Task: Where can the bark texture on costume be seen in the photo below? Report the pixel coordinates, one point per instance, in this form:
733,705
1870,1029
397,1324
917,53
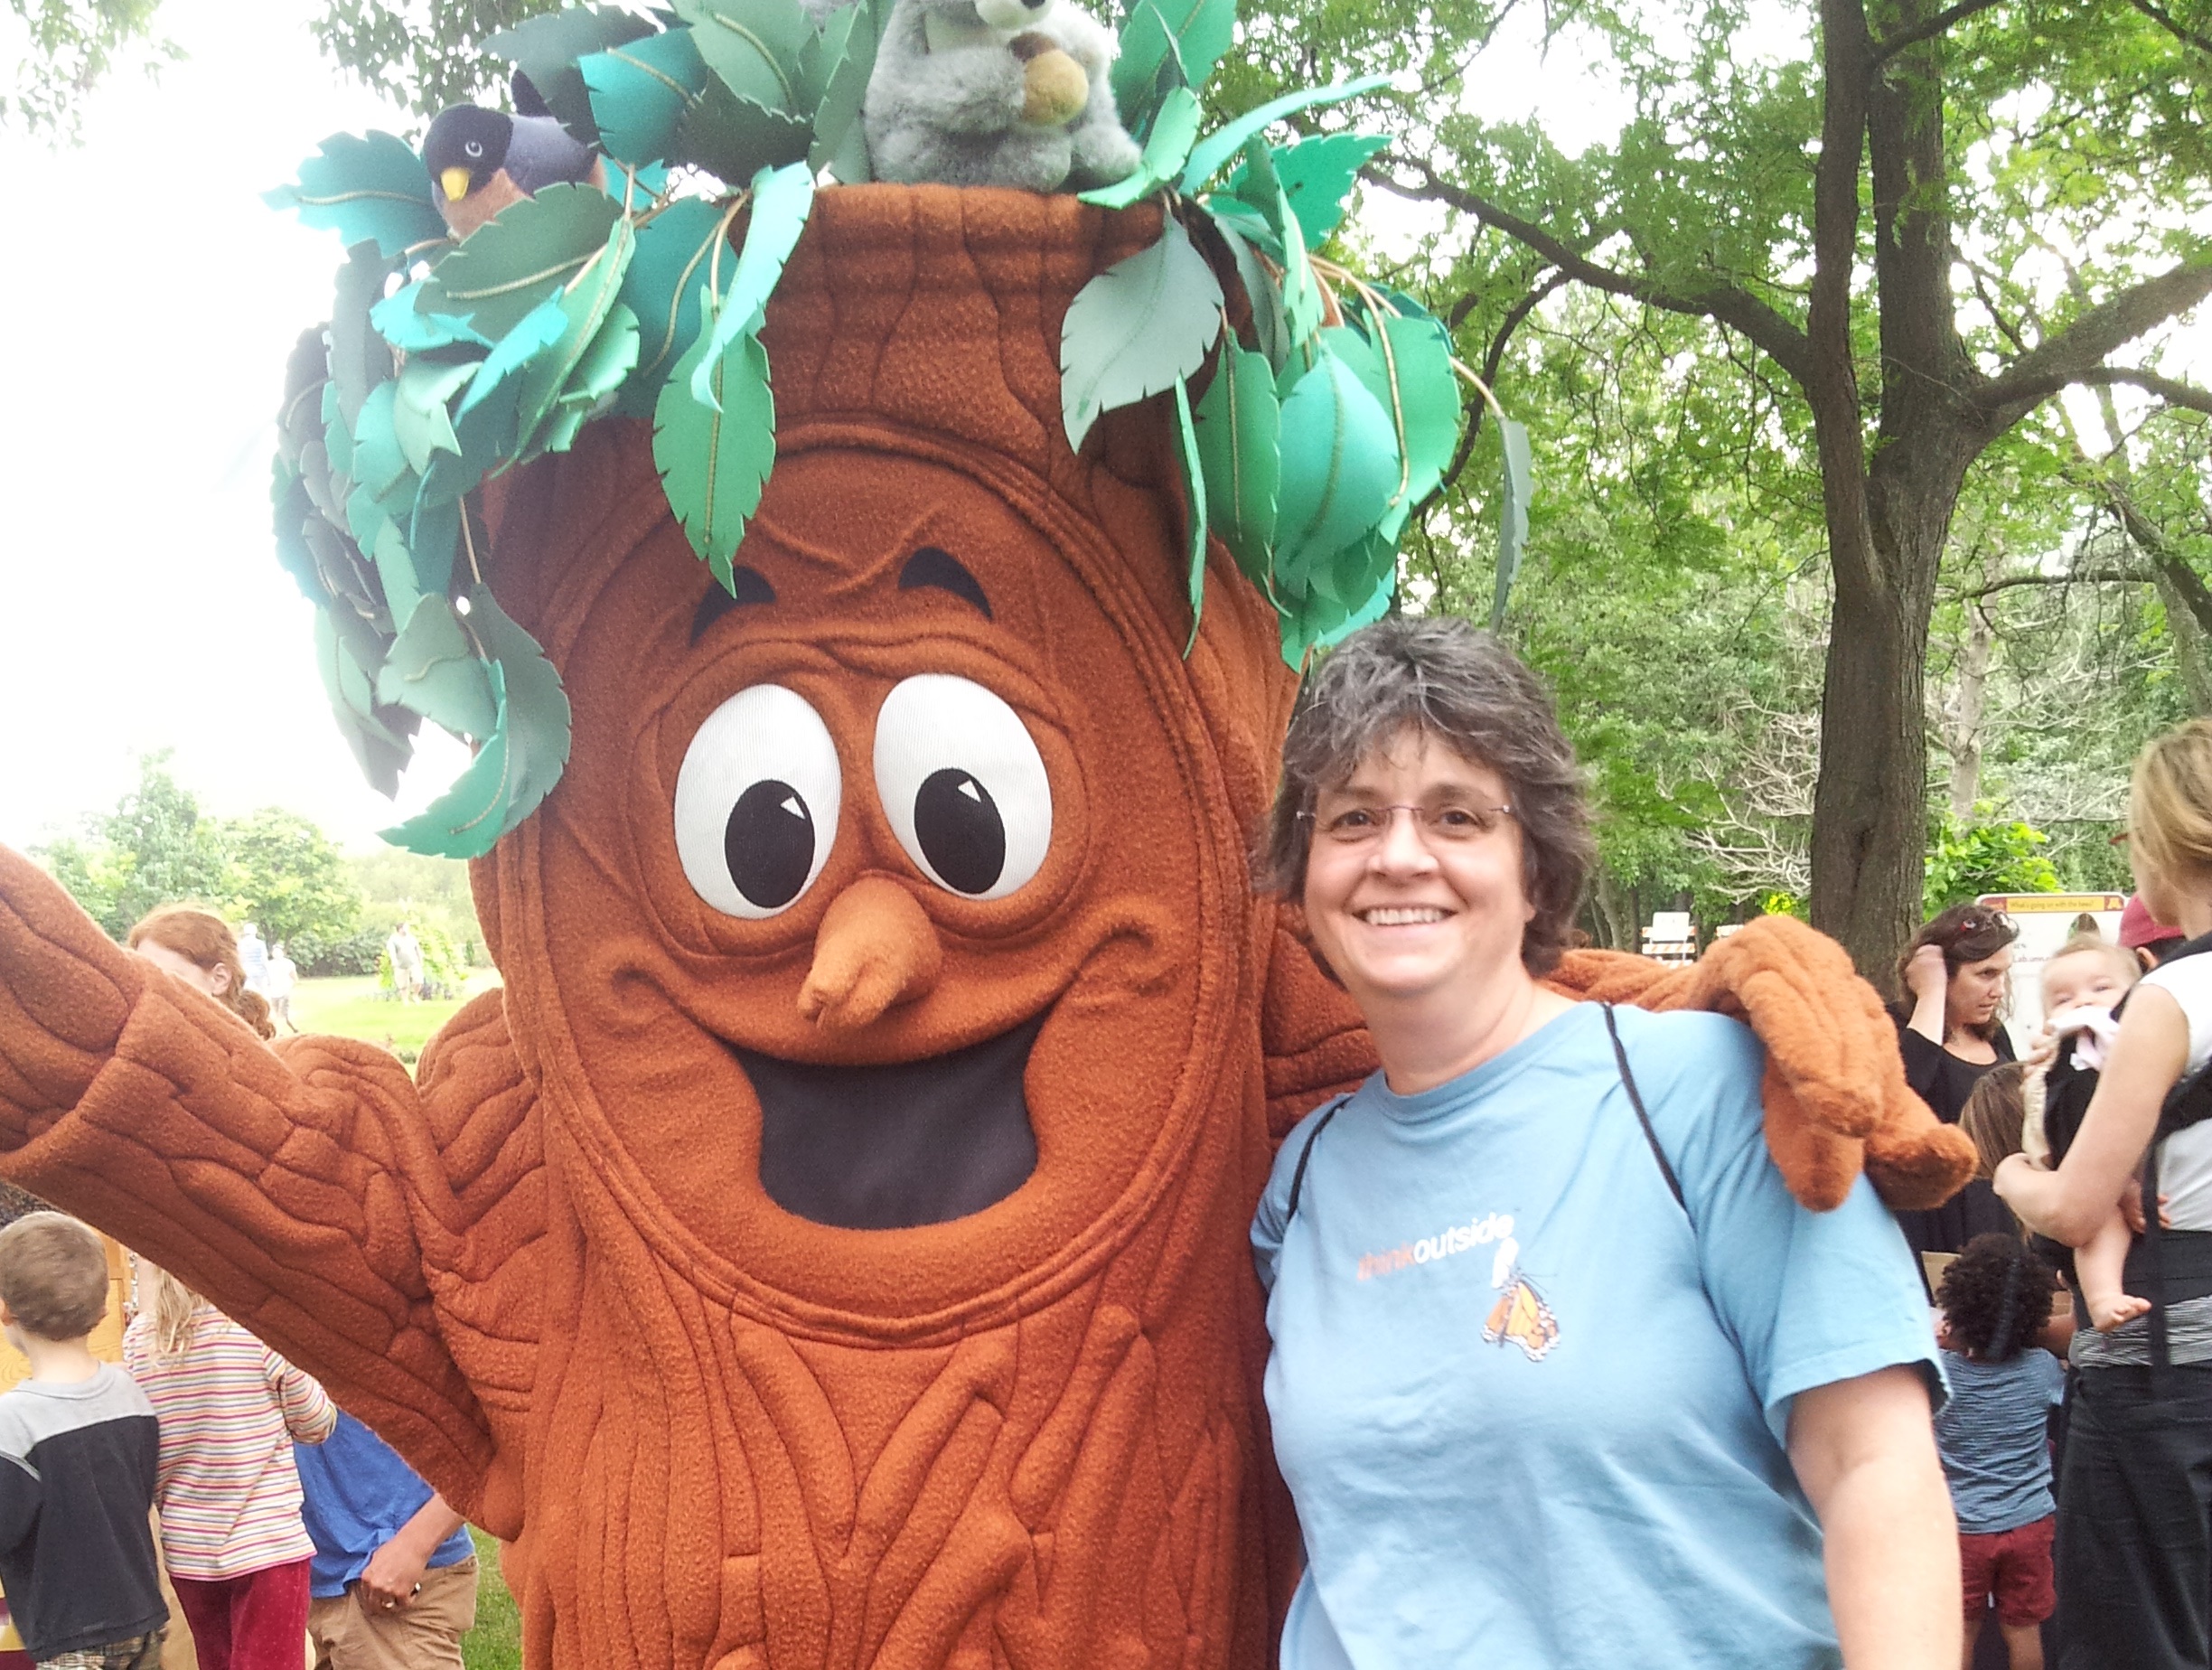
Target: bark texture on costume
712,1431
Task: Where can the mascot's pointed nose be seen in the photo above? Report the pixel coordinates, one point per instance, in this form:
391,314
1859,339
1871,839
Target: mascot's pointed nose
875,950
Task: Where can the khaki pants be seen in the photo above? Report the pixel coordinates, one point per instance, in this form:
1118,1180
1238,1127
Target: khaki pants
347,1634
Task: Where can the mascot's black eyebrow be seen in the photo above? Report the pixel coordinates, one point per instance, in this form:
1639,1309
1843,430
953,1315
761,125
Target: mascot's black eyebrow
942,571
747,586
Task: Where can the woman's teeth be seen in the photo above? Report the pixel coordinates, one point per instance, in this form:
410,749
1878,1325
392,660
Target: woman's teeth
1401,916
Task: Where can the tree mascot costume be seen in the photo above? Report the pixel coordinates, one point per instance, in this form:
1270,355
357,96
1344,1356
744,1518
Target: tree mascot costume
830,1248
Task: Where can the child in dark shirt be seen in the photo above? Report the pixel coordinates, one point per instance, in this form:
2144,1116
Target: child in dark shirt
1996,1297
78,1445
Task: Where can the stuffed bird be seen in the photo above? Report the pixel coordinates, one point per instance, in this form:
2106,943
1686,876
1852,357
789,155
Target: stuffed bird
481,160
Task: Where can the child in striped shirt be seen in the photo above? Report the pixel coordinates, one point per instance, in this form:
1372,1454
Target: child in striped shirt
230,1410
1992,1433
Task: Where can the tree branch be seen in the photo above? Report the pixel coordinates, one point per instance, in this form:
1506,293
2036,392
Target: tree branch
2079,348
2172,25
1516,316
1928,29
1774,334
2169,389
2081,577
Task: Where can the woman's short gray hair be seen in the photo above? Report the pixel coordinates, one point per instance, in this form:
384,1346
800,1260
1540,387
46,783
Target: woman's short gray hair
1441,677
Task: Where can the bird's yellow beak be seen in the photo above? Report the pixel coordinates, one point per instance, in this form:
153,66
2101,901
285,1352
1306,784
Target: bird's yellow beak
457,184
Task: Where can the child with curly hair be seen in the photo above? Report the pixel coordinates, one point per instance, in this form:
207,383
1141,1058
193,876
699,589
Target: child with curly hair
1996,1297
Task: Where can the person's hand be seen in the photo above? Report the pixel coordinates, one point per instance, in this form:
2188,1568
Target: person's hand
393,1576
1927,975
2043,1051
2130,1208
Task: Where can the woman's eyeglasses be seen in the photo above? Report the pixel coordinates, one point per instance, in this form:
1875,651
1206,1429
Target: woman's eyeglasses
1445,824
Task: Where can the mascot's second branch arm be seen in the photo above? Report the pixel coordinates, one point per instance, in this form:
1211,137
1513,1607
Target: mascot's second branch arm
828,1248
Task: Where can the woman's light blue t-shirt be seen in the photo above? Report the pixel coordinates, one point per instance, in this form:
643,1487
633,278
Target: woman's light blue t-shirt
1531,1412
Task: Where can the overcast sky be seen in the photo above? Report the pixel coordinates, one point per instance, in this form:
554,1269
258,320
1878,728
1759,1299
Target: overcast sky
151,300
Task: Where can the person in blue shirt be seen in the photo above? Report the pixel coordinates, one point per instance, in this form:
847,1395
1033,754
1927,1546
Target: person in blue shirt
1562,1378
1994,1436
393,1582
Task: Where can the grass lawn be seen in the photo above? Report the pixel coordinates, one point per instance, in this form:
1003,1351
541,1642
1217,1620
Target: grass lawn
352,1006
496,1642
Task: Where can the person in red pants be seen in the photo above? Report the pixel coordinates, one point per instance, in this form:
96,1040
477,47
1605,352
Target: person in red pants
230,1410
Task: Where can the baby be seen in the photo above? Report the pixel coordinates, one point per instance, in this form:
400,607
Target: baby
2081,985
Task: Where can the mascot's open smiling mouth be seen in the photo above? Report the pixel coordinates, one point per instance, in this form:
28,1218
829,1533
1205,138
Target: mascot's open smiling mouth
897,1146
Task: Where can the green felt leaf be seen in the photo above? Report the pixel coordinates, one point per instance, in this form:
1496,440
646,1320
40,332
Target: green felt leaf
358,359
420,421
485,420
1238,435
754,47
547,48
1427,411
838,138
381,746
399,322
734,138
513,262
1301,295
1317,175
1136,328
434,670
639,91
585,305
607,361
378,459
290,508
1204,31
1193,474
396,568
1513,513
821,51
713,455
782,199
516,765
1339,468
366,189
1173,130
434,536
1147,49
1224,143
671,259
1263,293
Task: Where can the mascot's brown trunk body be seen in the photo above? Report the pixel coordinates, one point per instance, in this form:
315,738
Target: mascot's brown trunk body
714,1431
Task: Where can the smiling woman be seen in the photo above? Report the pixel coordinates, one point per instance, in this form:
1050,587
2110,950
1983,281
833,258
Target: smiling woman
1611,1167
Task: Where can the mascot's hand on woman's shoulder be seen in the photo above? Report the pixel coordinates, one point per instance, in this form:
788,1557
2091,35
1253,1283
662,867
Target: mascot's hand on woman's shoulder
994,92
1836,1099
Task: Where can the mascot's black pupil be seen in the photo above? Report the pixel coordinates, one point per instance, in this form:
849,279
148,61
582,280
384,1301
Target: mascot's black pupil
769,844
961,832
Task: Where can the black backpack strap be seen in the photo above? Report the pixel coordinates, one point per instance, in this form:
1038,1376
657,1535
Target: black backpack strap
1297,1178
1635,1101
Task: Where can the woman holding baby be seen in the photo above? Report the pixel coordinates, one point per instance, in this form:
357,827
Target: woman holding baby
2134,1561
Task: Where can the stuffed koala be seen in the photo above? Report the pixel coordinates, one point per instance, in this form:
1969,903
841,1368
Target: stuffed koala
994,92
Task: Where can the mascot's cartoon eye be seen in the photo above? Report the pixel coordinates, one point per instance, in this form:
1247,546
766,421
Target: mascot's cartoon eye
963,785
756,803
474,147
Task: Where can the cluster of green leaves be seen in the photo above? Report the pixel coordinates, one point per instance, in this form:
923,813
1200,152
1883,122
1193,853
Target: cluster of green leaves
71,47
156,847
1326,424
449,361
1331,413
1985,854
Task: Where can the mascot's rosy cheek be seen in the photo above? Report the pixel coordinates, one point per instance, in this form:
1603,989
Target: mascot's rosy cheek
888,969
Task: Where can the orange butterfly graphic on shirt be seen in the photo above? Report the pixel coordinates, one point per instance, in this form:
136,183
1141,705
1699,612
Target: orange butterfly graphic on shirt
1522,1317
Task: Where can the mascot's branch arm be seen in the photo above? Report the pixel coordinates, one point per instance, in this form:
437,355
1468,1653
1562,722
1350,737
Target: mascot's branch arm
737,1392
